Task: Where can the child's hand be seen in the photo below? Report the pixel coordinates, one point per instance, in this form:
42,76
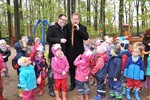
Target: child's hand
3,70
63,73
33,63
26,89
115,79
4,57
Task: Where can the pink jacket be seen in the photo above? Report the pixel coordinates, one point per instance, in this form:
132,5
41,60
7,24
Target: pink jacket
82,62
32,55
2,64
100,62
59,65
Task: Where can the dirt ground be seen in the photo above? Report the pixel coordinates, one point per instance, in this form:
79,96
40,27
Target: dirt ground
10,90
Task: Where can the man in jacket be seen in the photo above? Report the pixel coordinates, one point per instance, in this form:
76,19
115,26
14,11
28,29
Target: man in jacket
76,33
55,34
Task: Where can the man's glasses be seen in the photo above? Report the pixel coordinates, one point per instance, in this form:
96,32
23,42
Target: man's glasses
63,19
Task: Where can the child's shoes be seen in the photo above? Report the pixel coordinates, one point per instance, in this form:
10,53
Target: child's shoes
98,98
40,92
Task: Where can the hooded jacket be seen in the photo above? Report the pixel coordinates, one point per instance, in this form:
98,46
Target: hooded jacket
100,63
114,67
82,62
2,65
124,55
134,70
27,77
59,65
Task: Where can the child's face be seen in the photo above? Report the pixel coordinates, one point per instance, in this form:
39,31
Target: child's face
59,52
40,54
135,53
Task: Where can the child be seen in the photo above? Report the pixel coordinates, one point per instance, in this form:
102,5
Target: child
20,47
134,73
60,67
5,51
27,78
37,42
114,73
82,62
124,46
100,71
40,68
2,68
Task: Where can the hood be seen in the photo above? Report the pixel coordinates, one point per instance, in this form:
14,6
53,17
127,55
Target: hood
54,49
87,55
126,52
104,56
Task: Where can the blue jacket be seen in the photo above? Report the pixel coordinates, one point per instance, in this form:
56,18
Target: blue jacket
134,70
148,66
114,67
27,78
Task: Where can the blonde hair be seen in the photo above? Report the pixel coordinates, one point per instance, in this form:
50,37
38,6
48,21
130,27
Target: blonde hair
75,14
136,49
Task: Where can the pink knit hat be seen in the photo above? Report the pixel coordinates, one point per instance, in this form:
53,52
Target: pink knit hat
101,49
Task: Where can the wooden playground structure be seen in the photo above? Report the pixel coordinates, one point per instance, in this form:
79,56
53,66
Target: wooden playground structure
126,29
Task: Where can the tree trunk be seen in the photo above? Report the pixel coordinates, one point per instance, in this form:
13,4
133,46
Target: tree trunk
121,17
103,17
142,10
9,21
68,12
17,20
88,14
73,6
96,14
65,10
21,13
137,13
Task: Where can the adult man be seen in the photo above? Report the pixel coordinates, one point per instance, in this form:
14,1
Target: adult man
76,33
55,34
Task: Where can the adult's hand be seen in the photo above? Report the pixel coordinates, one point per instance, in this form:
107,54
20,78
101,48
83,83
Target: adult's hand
77,26
63,40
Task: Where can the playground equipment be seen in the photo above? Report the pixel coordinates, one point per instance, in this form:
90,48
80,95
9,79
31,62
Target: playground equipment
126,29
43,31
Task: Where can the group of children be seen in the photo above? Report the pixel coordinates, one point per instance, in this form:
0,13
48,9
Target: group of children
116,63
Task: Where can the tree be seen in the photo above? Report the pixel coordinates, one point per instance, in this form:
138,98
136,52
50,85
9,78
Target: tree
68,11
95,5
16,20
121,16
88,13
73,6
137,17
9,20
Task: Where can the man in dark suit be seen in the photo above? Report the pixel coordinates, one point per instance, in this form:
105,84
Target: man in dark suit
76,33
56,34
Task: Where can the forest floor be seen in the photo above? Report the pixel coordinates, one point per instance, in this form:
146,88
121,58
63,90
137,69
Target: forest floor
10,90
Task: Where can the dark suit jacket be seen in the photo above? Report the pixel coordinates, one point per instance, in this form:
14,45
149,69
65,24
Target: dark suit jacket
79,36
54,34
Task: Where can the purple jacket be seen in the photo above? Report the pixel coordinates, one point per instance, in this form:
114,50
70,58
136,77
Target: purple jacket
59,65
82,62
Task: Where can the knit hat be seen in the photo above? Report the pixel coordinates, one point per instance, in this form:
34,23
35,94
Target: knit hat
101,49
37,40
2,41
23,61
124,44
56,46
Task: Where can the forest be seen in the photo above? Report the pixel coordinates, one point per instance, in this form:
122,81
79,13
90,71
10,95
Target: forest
18,17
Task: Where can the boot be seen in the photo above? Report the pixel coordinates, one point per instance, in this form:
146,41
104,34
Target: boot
20,92
136,94
51,92
57,95
41,92
128,97
148,97
64,95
